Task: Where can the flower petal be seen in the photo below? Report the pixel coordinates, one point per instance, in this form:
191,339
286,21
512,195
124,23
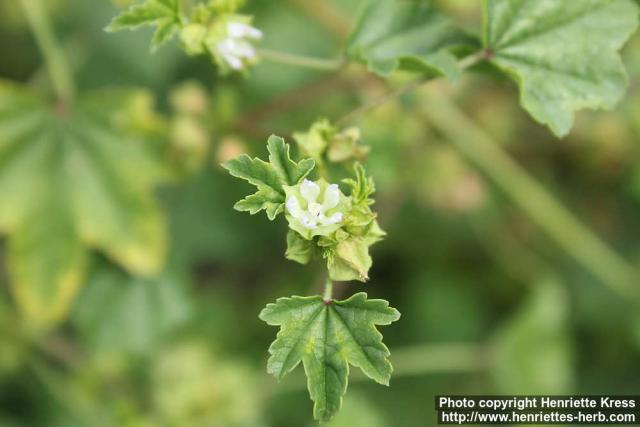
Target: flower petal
293,206
240,30
310,191
331,197
333,219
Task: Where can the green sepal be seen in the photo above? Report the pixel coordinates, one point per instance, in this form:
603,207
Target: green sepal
299,249
349,259
324,142
328,336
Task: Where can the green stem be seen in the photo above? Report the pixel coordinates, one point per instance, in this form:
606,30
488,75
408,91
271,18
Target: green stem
301,61
56,63
557,221
466,62
328,290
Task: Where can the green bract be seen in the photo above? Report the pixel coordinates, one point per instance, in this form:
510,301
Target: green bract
323,142
315,208
327,336
211,28
90,170
408,35
164,14
270,178
563,54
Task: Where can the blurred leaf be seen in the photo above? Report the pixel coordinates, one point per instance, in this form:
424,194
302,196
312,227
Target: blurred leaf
563,54
117,313
268,177
72,179
358,411
164,14
191,387
327,337
533,351
391,35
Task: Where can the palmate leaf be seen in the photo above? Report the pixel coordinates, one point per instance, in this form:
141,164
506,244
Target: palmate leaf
563,54
119,313
70,181
326,337
408,35
164,14
268,177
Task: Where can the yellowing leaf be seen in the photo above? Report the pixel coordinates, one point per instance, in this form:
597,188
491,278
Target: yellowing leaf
72,179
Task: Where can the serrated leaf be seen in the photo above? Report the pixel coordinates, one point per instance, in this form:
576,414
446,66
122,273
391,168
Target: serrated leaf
118,313
407,35
268,177
563,54
72,180
326,337
164,14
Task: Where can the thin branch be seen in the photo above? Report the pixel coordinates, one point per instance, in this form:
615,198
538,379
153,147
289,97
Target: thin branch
540,206
392,94
57,65
320,64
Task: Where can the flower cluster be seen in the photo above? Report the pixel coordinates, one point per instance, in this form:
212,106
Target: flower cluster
236,49
315,209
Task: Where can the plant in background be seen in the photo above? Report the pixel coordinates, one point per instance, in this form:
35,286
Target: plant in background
211,28
323,333
89,163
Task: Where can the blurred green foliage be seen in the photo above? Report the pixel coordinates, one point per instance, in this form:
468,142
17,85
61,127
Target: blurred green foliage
506,309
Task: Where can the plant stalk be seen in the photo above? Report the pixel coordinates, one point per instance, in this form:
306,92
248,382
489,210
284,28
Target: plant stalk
541,207
301,61
328,290
466,62
59,69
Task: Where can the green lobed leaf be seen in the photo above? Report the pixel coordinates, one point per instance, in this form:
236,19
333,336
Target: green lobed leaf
268,177
563,54
407,35
326,337
72,180
164,14
118,313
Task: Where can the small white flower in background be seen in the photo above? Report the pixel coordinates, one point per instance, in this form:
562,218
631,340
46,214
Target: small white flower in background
236,49
314,209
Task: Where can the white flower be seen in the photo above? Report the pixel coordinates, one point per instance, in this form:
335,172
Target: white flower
315,214
236,49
